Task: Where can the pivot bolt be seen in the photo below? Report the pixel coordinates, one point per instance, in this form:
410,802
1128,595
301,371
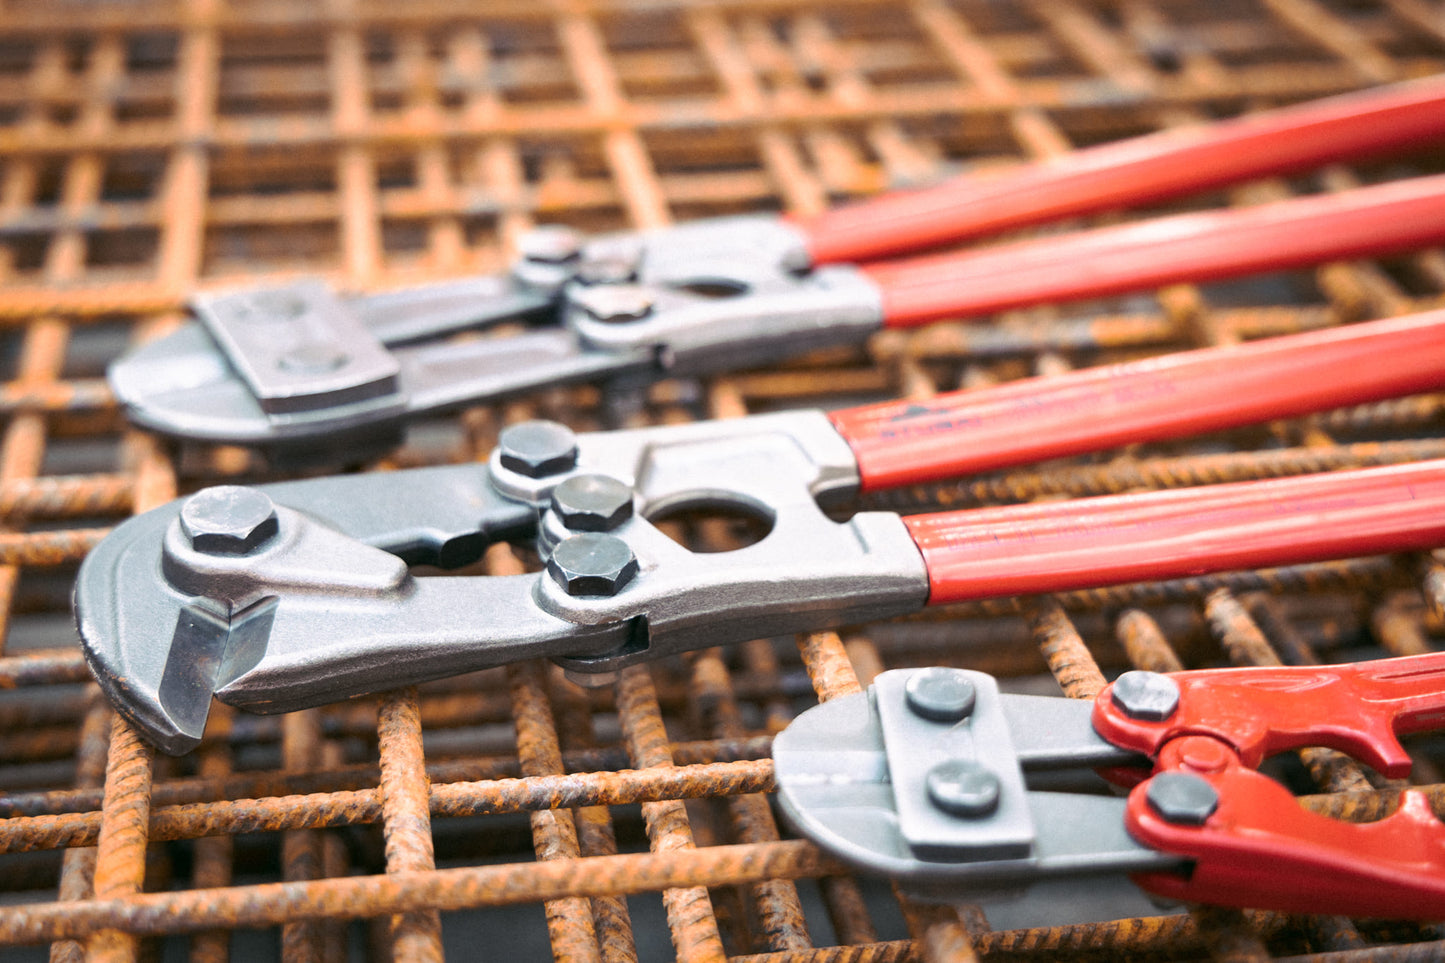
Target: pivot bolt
228,520
962,787
592,564
313,359
538,448
592,503
940,694
1147,696
550,244
614,261
615,303
1182,798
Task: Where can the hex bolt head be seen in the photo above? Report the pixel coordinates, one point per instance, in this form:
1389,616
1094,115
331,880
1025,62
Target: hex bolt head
961,787
940,694
228,520
550,244
1182,798
1147,696
592,503
610,261
615,303
592,564
538,448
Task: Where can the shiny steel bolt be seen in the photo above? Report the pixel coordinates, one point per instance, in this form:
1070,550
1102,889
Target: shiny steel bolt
550,244
1182,798
592,564
228,520
315,358
615,303
614,261
940,694
537,448
592,503
1148,696
962,787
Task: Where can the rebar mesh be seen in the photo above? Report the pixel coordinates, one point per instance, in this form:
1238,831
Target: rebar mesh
148,148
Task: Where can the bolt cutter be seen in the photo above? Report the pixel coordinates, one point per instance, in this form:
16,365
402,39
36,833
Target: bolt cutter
308,374
299,593
928,778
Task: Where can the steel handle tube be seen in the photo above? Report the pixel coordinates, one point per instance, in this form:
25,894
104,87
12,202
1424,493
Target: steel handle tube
1133,172
1055,547
966,432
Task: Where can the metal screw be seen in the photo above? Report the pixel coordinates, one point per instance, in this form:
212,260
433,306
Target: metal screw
615,261
615,303
962,787
314,358
537,448
550,244
592,503
1182,798
1149,696
940,694
228,520
591,564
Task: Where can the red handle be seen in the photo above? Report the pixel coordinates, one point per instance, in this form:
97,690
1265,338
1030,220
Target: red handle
1052,547
963,432
1136,171
1359,709
1259,848
1388,218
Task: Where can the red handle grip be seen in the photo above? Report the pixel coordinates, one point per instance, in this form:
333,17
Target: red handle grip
1259,848
1360,708
963,432
1024,549
1136,171
1371,221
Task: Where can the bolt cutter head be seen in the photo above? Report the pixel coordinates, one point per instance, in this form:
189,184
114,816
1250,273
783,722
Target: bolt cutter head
313,377
941,801
300,593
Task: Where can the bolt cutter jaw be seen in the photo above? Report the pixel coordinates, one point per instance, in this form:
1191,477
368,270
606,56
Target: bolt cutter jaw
299,593
867,777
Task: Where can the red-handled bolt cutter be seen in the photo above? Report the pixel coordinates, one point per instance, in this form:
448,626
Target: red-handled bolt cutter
299,367
299,593
926,778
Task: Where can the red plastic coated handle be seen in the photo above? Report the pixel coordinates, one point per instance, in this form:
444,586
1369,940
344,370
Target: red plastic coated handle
1260,848
963,432
1135,172
1371,221
1358,708
1053,547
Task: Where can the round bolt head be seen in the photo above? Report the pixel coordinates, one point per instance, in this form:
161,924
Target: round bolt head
615,303
538,449
1182,798
607,270
550,244
592,564
228,520
961,787
313,359
940,694
1147,696
610,261
592,503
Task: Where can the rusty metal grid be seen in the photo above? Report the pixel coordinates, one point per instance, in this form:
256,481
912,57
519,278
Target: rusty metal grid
150,147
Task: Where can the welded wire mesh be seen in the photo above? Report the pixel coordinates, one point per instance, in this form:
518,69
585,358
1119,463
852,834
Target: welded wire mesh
150,148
